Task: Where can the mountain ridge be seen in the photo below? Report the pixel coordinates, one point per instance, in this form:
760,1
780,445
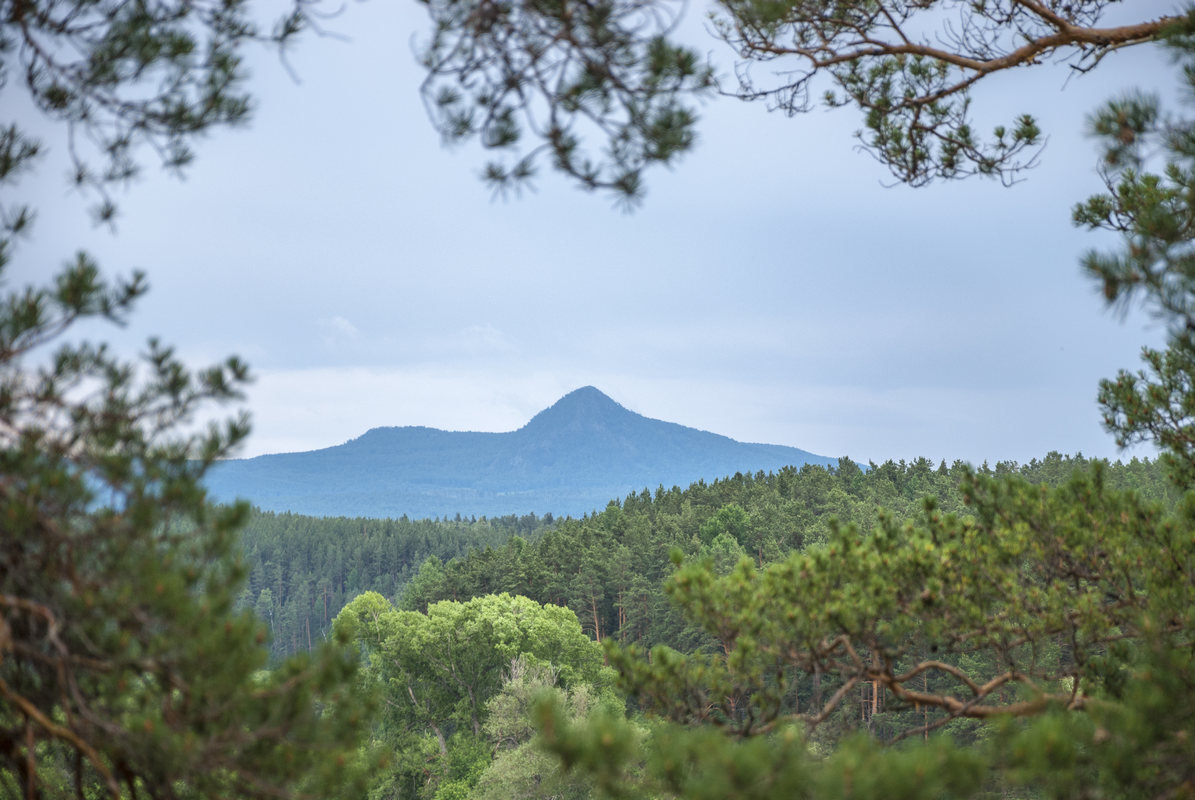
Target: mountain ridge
569,459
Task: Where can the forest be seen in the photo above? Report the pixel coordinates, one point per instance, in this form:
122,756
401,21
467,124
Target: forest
904,630
609,567
430,603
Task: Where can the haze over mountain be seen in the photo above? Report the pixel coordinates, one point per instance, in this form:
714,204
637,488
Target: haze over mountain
571,458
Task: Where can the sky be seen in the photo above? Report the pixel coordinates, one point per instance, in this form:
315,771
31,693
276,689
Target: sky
773,287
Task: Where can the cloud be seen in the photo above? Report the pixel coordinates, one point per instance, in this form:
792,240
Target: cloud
774,292
304,409
337,330
483,340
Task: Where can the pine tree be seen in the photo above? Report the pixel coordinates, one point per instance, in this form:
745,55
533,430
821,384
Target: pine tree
1049,636
608,93
124,668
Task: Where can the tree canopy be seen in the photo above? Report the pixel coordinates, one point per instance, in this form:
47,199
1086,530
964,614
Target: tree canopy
461,675
603,91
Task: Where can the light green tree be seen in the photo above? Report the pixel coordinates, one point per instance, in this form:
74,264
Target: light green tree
521,769
441,670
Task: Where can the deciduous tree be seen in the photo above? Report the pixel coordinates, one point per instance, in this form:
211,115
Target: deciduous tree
440,670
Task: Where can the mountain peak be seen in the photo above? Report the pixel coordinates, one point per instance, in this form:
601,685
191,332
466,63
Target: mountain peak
586,407
585,398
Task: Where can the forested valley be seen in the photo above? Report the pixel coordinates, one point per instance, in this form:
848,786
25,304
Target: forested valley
608,567
898,631
465,623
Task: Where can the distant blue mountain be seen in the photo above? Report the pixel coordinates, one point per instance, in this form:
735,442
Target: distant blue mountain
570,459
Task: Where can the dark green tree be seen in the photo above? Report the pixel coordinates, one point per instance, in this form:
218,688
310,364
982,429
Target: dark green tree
566,74
124,668
1149,171
550,77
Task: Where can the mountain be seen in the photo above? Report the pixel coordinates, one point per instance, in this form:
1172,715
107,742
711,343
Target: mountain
571,458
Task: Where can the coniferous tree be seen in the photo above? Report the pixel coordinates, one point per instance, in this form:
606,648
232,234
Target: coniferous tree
124,667
616,76
1048,637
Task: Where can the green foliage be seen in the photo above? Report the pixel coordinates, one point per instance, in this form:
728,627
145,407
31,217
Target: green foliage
312,566
724,552
610,568
464,672
701,763
123,77
1046,633
1046,602
521,769
909,69
566,75
124,668
964,616
1152,212
730,520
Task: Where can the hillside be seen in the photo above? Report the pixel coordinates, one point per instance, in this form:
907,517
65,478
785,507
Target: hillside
571,458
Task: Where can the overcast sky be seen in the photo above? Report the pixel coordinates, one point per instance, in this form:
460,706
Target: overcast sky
771,288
